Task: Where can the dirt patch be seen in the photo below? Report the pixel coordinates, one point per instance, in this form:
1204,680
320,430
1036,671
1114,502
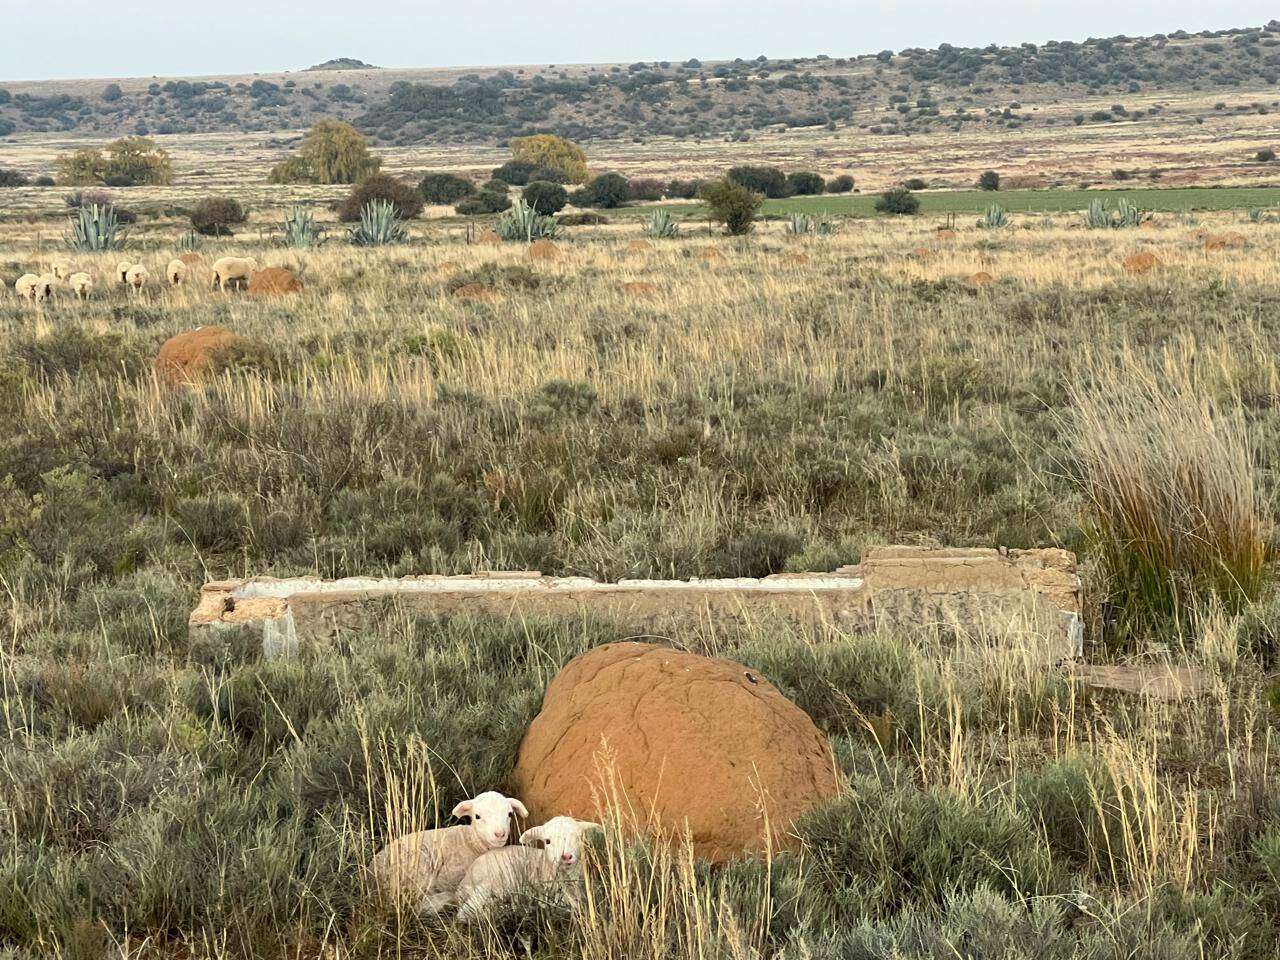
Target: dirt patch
795,260
946,233
980,279
275,282
691,743
1139,263
639,288
710,254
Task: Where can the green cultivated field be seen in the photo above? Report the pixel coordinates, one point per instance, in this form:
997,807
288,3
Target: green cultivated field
1172,199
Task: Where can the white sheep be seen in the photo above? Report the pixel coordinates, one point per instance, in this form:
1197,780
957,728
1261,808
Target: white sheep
46,286
26,285
548,855
122,272
175,272
137,277
81,285
233,270
425,868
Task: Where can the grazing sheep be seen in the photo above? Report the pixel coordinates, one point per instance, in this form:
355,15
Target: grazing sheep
137,277
81,285
548,854
426,867
46,286
25,286
175,272
62,269
233,270
122,272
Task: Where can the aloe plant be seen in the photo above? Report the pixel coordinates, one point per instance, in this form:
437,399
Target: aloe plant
806,223
661,225
96,228
1101,216
299,229
994,217
379,226
523,222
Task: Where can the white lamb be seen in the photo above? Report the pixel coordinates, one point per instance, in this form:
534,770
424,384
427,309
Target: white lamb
175,272
233,270
81,285
548,856
26,285
425,868
136,278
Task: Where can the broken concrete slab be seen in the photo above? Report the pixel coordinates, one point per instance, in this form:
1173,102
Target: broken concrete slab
994,593
1155,681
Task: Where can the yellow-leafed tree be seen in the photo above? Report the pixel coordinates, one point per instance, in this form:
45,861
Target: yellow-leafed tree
129,161
546,150
333,152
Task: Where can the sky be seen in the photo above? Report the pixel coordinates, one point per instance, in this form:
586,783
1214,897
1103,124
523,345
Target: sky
142,38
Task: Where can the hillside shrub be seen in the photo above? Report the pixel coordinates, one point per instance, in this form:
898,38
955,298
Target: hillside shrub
805,183
732,204
491,198
607,191
899,201
645,188
545,198
445,188
514,172
217,216
546,150
682,189
841,184
549,175
585,218
990,180
1265,155
12,178
915,183
403,197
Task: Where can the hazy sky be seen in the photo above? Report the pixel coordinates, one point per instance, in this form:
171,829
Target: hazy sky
128,38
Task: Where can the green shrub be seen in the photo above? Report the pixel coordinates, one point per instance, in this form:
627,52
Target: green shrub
990,180
12,178
514,172
488,200
805,184
379,226
299,230
333,152
607,191
661,225
645,189
546,198
682,189
1265,155
95,229
915,183
523,223
585,218
217,216
899,201
732,204
406,200
445,189
768,181
841,184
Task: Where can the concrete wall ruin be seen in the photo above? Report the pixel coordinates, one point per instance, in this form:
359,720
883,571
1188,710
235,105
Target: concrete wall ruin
989,592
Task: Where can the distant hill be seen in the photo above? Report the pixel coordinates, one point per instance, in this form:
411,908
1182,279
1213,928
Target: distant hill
912,91
341,63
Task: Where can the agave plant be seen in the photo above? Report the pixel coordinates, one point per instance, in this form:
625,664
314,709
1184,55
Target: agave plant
299,229
523,222
96,228
379,226
661,225
1100,215
805,223
994,217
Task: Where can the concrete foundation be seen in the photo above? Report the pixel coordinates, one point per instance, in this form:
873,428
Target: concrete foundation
996,594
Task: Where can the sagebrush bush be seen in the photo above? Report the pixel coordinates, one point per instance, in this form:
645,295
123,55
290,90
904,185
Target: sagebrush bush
217,216
732,204
403,197
445,188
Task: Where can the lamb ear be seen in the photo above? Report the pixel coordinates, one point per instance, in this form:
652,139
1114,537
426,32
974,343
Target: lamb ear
463,809
533,837
521,810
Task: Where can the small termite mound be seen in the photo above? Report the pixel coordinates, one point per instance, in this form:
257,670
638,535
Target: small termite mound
980,279
1139,263
475,291
275,282
545,251
639,288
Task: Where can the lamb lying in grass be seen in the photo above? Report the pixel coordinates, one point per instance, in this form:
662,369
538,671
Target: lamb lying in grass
425,868
548,855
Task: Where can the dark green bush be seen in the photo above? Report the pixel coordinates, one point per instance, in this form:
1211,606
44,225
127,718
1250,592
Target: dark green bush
546,198
585,218
990,180
899,201
915,183
607,191
768,181
1265,155
217,216
805,183
841,184
488,200
12,178
445,188
645,188
514,172
406,200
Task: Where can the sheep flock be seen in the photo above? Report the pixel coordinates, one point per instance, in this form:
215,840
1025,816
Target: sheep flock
473,866
62,279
